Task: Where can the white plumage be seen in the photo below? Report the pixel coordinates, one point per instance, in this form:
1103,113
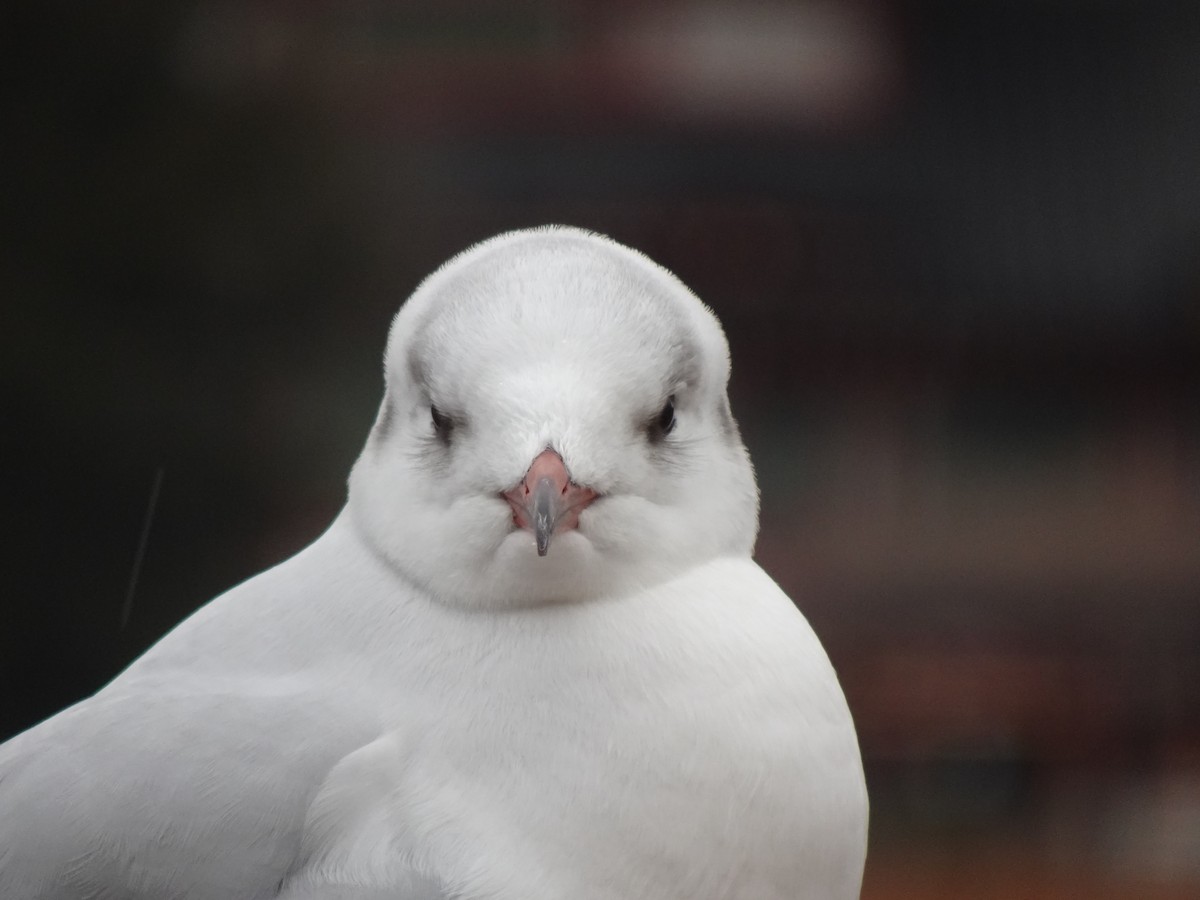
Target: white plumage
419,706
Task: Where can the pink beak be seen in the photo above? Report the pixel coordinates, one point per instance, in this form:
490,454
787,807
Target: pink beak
547,500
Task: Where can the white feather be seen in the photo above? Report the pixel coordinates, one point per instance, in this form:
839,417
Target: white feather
419,707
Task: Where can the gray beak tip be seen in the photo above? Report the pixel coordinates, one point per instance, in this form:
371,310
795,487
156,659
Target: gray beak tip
543,515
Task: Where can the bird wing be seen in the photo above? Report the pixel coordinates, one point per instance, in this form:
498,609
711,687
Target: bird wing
192,790
354,835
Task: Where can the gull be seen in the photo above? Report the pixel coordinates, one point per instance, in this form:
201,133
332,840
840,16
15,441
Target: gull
532,658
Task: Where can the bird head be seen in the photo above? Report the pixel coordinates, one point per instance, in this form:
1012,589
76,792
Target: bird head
554,428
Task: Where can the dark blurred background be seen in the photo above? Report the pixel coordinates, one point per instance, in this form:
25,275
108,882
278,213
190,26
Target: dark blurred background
956,247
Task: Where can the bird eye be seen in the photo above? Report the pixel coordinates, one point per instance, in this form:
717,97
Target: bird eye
441,422
666,418
664,422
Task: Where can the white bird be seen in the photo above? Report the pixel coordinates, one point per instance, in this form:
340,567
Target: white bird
532,658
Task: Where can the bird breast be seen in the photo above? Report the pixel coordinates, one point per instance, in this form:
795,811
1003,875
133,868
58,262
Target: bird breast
700,720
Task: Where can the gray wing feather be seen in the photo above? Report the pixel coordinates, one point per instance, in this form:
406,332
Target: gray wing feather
168,793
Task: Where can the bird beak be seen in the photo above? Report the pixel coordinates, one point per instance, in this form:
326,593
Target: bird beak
547,501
